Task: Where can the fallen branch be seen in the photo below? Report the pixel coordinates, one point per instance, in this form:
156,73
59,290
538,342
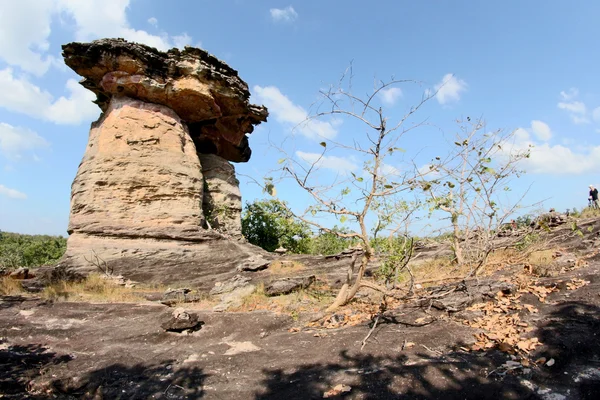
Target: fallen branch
364,342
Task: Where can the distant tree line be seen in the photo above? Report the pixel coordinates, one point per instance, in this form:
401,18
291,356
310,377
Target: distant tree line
17,250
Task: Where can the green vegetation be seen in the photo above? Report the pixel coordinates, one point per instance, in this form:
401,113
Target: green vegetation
18,250
270,224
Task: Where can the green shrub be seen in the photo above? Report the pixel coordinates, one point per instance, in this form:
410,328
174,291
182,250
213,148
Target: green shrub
17,250
270,224
328,243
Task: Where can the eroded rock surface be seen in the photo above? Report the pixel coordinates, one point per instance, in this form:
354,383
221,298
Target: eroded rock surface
222,199
157,165
205,92
140,171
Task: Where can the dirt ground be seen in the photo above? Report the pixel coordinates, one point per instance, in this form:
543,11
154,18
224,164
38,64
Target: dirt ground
76,350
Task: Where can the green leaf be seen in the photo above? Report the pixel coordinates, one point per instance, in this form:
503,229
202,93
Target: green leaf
360,179
270,189
388,186
343,219
323,144
281,161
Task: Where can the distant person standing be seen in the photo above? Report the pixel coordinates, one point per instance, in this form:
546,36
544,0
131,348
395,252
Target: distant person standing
593,197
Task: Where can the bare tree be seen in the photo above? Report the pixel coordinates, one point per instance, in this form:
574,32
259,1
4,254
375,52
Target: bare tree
469,185
368,195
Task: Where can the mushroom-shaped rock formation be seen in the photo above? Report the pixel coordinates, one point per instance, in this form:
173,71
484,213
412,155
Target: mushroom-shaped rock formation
156,187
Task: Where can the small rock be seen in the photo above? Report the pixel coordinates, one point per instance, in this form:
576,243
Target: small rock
288,285
174,296
234,298
22,273
181,320
230,285
550,362
253,265
280,250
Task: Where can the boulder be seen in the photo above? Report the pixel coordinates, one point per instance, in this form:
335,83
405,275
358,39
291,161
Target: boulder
551,219
230,285
457,297
182,321
234,298
288,285
176,296
22,273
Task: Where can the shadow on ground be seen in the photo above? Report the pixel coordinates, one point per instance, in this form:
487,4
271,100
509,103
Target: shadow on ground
137,382
20,364
571,336
452,376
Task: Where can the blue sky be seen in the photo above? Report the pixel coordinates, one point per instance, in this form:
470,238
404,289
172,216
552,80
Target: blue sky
531,66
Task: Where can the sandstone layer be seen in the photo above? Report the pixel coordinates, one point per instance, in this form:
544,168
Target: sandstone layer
155,197
222,200
204,92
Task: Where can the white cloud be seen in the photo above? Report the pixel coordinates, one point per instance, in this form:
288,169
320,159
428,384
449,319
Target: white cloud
596,114
426,170
24,32
390,95
521,135
449,89
12,193
14,141
287,14
576,107
182,40
288,113
541,130
340,165
569,94
556,159
19,95
577,110
25,26
387,170
75,108
95,19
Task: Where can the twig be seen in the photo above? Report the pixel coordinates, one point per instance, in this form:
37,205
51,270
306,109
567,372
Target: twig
431,350
364,342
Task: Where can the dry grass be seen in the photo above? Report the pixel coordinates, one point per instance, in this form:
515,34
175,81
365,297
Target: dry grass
436,270
10,286
95,288
279,267
314,299
589,212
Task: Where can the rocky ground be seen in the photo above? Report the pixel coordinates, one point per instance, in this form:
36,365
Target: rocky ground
527,337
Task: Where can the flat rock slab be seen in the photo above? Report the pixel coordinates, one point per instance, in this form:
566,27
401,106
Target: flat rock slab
120,351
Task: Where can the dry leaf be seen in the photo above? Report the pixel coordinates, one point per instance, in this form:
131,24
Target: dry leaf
337,389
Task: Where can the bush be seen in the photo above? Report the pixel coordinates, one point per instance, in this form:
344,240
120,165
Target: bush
328,243
18,250
270,224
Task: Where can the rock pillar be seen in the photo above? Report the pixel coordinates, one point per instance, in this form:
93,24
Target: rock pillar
140,174
157,165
